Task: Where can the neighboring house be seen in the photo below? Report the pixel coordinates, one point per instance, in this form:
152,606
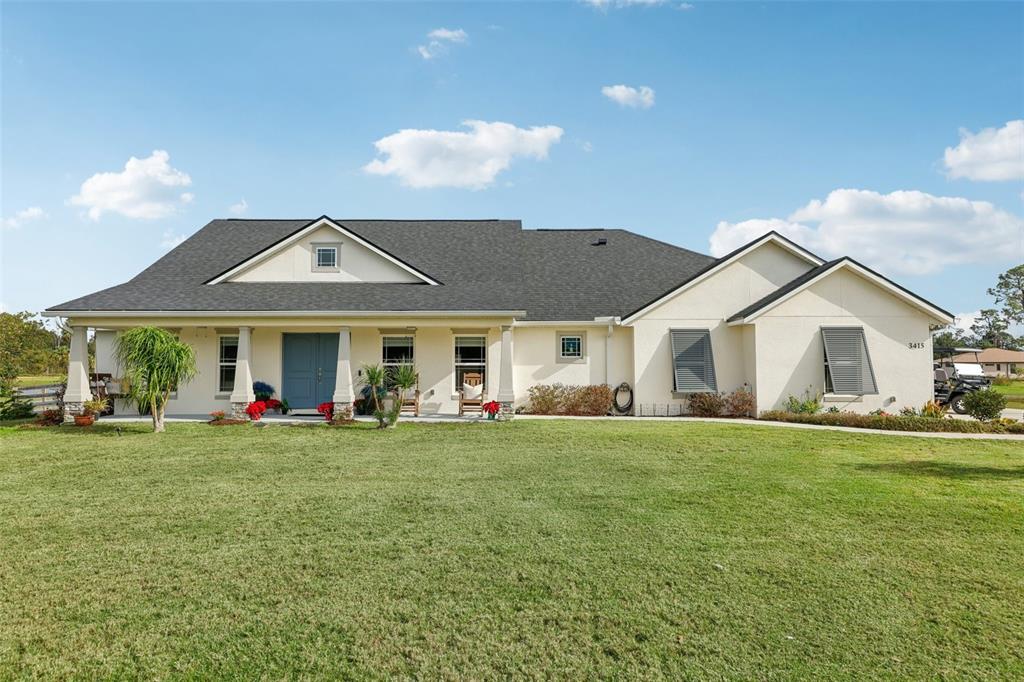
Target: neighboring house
995,361
304,304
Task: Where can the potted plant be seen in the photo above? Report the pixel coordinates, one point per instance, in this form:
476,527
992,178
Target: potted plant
491,409
90,410
263,391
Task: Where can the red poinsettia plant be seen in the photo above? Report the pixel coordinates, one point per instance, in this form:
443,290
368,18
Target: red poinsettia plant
256,409
327,410
492,408
273,404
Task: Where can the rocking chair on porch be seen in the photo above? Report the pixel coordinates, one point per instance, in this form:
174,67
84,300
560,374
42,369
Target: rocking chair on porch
472,400
411,400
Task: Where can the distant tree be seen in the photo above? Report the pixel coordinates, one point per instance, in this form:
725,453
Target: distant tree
951,337
27,346
1009,294
991,330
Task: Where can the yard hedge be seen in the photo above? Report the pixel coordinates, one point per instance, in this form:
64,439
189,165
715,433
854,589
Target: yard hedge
894,423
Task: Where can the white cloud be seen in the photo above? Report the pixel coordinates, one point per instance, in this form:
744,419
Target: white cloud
171,240
26,215
618,4
440,39
453,35
904,232
964,321
642,98
990,154
447,158
239,208
146,188
684,6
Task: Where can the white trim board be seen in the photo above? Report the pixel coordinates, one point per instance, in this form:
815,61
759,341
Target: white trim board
283,313
313,226
877,280
776,239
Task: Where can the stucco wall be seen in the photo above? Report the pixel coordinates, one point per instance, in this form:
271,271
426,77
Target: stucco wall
707,305
535,354
791,354
356,263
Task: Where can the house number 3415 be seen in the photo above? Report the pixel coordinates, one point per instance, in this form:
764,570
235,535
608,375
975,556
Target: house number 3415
916,344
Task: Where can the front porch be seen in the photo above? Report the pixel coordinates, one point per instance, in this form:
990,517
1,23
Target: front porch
309,363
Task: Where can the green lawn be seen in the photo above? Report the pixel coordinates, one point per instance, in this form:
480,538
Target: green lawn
29,380
565,549
1014,392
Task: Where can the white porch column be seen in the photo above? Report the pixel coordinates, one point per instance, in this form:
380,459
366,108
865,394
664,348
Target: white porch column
506,389
241,392
77,391
343,394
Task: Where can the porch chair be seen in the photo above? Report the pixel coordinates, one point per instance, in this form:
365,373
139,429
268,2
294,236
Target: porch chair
471,403
411,400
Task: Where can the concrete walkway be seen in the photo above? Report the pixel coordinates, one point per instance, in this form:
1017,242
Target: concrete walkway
286,420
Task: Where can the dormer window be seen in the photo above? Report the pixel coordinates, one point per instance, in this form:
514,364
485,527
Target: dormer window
325,257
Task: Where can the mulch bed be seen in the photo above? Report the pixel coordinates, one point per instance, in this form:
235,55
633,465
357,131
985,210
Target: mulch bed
227,422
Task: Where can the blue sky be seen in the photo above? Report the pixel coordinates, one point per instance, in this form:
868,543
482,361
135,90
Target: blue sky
828,121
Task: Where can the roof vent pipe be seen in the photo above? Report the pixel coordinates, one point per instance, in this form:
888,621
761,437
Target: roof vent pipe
600,242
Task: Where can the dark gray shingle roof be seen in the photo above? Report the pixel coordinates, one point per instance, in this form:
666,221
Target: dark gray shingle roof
481,264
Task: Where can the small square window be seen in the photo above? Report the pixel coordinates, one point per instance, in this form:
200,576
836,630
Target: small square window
571,347
327,257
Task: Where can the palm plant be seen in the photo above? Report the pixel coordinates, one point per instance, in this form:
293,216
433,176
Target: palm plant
375,376
382,382
403,378
153,363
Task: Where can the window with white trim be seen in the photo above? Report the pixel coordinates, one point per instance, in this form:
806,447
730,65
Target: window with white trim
227,357
693,363
848,369
325,257
470,358
570,346
396,351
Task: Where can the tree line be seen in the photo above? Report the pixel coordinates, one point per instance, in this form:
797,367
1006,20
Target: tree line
991,329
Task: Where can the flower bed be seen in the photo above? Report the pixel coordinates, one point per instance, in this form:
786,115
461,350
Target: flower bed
885,422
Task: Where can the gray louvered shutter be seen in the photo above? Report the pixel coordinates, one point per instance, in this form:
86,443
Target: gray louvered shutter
692,361
846,351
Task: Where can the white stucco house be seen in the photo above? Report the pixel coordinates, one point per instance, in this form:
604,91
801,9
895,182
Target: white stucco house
303,304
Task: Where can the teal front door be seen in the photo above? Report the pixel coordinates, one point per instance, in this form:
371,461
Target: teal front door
309,369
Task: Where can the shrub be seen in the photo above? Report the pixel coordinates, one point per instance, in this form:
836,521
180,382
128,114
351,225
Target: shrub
706,404
327,410
740,403
588,401
909,412
810,404
263,390
932,410
546,398
50,418
16,408
894,423
985,405
217,415
1000,380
